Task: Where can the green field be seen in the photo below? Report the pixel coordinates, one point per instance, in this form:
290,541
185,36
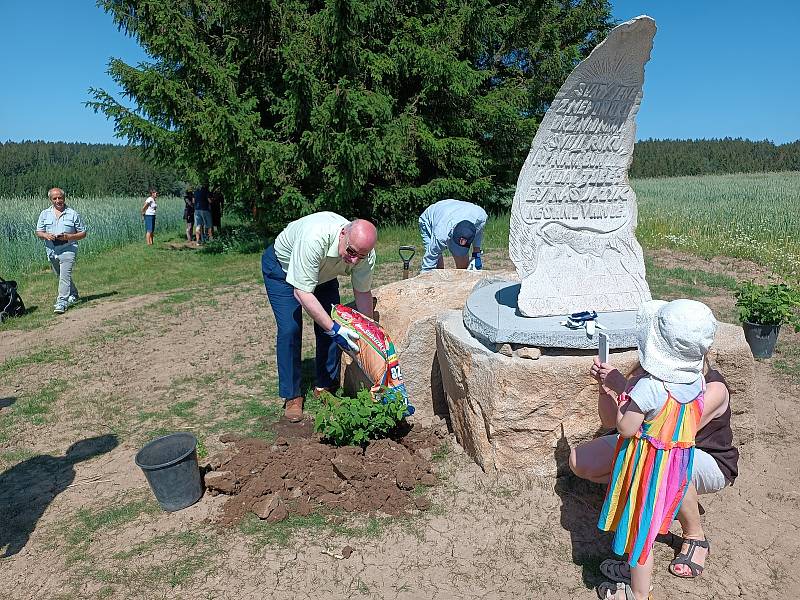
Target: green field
111,221
754,216
751,216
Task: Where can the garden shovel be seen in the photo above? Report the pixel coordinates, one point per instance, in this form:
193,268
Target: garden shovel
406,254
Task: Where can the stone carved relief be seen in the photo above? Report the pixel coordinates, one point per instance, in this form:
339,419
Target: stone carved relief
574,213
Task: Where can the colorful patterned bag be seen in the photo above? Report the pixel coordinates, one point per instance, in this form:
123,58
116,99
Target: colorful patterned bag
377,357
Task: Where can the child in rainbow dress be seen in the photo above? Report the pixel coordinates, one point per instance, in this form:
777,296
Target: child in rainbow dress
657,419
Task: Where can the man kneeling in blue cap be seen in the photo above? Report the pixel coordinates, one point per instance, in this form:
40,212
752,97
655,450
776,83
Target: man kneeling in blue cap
455,225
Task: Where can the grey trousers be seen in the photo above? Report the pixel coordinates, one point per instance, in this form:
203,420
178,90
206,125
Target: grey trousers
62,264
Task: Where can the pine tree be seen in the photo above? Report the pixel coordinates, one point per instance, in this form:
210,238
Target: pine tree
371,108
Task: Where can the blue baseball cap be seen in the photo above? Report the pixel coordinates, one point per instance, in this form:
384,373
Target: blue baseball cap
466,230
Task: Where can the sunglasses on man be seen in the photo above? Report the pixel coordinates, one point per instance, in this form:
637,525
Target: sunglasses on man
352,253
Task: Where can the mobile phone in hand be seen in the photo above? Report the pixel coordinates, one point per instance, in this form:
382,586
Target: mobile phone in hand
602,347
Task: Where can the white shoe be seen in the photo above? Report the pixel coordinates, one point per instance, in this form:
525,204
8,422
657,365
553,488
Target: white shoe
60,308
73,300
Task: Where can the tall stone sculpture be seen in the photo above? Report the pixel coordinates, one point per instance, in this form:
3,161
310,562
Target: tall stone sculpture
574,213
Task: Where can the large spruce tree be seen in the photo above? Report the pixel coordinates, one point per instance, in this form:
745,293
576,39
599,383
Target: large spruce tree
370,108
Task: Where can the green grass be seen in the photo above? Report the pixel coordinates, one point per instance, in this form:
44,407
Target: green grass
195,552
47,356
88,522
316,524
355,528
280,534
34,408
441,452
678,282
12,457
787,359
247,416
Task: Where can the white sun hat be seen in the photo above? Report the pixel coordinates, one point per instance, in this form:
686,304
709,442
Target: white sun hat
674,337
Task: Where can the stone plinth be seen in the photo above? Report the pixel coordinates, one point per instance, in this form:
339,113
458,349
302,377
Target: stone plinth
407,310
518,415
574,213
492,316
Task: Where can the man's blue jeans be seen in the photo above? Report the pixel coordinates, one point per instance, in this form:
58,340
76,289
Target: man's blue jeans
289,320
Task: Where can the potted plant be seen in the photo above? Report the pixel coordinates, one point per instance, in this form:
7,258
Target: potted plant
762,310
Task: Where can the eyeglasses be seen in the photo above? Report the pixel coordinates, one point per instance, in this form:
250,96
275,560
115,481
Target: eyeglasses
353,254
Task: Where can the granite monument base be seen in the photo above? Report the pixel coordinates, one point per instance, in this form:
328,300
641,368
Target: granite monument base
513,415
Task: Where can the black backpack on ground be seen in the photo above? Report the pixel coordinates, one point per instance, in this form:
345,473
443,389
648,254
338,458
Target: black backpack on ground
11,305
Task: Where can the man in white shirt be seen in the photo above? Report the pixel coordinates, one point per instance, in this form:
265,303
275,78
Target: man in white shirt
300,271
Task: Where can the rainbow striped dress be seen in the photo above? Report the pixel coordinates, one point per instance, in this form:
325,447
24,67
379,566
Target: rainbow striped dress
652,471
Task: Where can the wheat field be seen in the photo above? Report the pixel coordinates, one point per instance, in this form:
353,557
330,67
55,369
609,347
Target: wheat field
110,221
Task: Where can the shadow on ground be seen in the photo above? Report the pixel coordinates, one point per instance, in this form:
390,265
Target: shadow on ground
91,297
28,488
6,402
581,501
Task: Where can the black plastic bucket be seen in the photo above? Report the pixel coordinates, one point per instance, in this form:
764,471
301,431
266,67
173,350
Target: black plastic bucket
761,338
170,465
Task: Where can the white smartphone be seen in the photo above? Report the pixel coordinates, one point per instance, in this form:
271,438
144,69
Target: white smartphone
602,347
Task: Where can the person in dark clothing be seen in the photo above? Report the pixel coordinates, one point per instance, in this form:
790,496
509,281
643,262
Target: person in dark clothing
188,214
715,467
217,203
203,227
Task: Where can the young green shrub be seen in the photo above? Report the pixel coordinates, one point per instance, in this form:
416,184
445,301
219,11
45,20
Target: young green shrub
346,421
774,304
235,240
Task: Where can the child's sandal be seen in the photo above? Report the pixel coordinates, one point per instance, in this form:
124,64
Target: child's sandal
616,570
695,570
608,591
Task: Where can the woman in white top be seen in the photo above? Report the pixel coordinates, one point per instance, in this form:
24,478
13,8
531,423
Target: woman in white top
149,215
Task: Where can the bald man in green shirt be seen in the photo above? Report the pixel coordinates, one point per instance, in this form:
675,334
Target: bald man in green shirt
300,271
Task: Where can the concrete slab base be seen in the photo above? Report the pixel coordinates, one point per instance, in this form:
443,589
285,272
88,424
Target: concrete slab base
491,314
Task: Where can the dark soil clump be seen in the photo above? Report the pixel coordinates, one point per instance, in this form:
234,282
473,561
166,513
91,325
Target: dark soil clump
298,475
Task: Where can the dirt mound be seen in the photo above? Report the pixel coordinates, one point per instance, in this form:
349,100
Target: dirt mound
297,475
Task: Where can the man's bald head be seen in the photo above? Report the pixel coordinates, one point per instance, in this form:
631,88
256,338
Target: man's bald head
363,235
357,240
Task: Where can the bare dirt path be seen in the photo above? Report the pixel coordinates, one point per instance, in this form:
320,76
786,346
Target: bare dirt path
200,361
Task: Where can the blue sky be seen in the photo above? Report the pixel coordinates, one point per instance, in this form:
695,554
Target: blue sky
718,68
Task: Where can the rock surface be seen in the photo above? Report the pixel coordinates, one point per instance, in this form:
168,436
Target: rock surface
574,212
408,312
522,416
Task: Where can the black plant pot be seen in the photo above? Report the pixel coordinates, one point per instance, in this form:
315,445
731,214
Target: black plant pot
761,338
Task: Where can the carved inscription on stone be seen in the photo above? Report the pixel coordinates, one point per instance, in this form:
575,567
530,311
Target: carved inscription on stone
574,213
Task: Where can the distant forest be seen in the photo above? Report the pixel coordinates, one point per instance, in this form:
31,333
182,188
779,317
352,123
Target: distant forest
668,158
31,168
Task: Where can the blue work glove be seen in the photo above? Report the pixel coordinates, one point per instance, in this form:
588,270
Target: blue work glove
476,264
344,337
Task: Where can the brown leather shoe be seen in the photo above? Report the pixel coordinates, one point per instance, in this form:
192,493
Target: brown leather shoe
293,409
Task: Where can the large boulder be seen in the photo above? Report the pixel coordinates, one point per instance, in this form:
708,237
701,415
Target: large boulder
408,310
522,415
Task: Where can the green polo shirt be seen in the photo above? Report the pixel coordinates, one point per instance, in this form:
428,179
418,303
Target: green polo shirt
308,250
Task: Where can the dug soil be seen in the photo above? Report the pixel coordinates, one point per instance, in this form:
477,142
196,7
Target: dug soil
299,474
